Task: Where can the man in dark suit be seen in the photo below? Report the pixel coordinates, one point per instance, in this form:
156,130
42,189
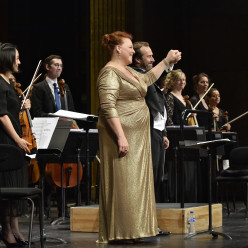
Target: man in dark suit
143,61
43,93
49,96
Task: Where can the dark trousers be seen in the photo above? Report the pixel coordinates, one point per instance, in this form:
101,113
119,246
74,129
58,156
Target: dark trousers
158,160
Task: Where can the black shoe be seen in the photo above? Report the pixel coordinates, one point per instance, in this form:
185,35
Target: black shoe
11,245
21,242
161,233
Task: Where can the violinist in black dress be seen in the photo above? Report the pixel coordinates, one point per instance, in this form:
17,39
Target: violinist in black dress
11,133
175,105
200,84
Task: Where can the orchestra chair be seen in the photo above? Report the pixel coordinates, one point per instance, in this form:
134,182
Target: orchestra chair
238,158
11,158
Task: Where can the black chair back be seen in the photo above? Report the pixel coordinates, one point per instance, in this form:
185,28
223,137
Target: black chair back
11,158
239,156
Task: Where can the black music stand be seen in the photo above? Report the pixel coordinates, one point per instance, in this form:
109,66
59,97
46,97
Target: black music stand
87,121
210,147
52,154
81,146
174,135
87,124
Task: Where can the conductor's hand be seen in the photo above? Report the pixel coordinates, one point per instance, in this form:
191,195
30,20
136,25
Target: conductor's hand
122,146
166,143
173,57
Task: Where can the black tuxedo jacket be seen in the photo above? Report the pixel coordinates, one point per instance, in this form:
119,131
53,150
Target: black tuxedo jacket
42,100
155,100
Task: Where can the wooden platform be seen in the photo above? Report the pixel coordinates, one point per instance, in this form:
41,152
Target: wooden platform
171,217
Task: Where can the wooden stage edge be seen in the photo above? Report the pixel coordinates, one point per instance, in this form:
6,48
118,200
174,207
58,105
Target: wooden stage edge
171,218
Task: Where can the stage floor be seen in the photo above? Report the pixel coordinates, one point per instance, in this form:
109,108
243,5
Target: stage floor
234,225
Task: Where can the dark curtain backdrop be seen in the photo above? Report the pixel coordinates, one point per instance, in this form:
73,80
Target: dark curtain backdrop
213,36
40,28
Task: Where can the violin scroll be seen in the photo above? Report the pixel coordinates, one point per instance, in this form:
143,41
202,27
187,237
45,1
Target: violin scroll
61,84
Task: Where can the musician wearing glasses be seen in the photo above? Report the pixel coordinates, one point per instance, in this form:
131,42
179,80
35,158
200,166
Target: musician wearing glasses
50,95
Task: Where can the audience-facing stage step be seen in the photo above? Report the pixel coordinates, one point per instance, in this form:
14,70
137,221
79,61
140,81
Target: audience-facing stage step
171,218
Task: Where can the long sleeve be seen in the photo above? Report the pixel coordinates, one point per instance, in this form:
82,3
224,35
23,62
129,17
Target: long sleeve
170,109
108,91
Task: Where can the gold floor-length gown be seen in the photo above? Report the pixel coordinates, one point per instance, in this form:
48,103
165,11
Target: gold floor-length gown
127,203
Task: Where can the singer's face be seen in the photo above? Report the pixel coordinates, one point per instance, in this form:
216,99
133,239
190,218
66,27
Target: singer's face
55,69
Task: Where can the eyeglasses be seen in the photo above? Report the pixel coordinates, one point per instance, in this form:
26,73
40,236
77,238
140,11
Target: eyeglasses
58,65
203,82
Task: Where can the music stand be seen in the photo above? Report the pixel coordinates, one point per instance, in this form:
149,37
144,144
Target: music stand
87,121
209,146
172,154
87,124
52,154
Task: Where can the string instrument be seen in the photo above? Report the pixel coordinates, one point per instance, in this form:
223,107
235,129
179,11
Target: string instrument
226,117
26,123
33,172
53,170
192,121
215,126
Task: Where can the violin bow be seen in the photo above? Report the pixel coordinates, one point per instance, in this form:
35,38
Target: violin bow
203,96
33,83
235,119
29,87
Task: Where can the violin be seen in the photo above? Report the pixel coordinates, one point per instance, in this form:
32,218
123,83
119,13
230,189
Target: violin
192,121
26,123
224,129
33,172
61,84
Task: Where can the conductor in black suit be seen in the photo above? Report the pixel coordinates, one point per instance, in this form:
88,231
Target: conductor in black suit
143,61
44,93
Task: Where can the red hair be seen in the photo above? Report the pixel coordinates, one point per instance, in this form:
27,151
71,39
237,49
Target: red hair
109,41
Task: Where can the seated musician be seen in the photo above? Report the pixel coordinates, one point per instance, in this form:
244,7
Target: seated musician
219,117
47,97
200,84
175,103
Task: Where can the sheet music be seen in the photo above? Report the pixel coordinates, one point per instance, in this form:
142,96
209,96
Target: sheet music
71,115
43,129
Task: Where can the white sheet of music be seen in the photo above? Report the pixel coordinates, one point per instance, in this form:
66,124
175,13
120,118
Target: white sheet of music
43,128
70,115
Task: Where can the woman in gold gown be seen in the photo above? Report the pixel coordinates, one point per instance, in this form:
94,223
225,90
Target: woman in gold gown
127,203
